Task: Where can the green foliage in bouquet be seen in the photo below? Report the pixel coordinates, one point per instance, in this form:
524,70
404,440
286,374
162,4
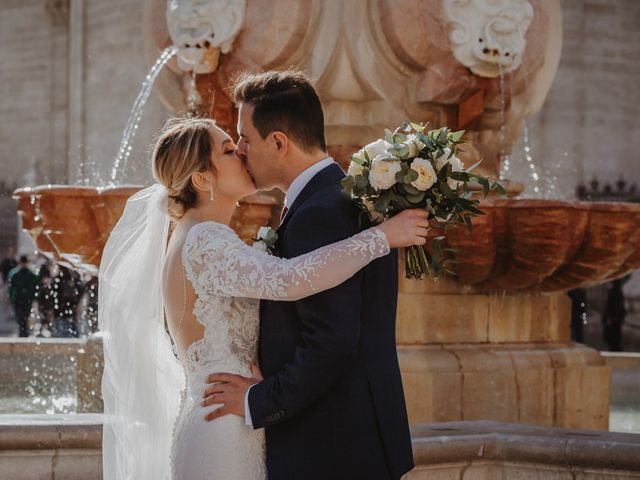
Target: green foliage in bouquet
416,168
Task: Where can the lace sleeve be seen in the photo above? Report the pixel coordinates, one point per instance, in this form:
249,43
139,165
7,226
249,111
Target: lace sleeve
218,262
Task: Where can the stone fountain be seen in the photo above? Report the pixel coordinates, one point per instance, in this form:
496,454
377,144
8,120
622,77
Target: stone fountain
491,345
494,342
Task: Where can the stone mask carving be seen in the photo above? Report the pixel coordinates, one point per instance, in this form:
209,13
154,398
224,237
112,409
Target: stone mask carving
202,29
488,36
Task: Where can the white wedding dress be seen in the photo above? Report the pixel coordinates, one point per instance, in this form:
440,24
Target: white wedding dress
228,278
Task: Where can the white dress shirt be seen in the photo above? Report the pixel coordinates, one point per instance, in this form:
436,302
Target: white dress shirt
293,191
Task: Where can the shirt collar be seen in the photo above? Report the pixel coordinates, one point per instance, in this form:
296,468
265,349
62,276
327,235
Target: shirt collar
301,180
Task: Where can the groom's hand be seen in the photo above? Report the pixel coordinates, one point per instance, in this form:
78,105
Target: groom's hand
229,390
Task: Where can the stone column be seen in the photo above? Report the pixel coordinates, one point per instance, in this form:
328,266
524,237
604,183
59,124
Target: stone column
75,162
478,356
53,166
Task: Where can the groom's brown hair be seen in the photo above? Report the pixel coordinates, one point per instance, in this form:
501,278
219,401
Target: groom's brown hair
283,102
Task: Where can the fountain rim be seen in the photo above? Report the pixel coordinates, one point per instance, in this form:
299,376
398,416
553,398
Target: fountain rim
56,190
539,203
259,197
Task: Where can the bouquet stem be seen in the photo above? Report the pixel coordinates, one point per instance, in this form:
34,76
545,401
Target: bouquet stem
416,262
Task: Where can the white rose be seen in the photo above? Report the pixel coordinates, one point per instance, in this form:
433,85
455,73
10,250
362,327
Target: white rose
262,232
377,148
360,154
426,174
383,173
355,169
260,246
414,144
456,166
456,163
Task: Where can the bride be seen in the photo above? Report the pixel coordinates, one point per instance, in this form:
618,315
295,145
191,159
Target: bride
202,287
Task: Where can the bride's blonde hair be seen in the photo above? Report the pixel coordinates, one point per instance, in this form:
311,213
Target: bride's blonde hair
183,147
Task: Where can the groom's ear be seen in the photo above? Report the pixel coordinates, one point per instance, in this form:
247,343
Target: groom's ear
281,142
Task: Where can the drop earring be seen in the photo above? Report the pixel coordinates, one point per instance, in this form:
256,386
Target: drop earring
211,194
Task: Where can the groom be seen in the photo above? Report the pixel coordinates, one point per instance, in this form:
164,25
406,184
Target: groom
331,400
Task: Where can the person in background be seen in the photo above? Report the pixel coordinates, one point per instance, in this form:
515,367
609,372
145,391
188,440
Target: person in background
44,297
21,288
91,291
87,309
7,264
614,314
67,292
578,313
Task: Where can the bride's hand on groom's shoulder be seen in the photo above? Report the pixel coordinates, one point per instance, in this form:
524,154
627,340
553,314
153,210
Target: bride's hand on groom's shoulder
228,390
409,227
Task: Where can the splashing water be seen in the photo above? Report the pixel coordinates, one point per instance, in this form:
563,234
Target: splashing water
532,167
540,187
529,158
192,97
124,152
506,162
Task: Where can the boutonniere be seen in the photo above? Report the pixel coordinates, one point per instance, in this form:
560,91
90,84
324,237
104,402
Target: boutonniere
266,241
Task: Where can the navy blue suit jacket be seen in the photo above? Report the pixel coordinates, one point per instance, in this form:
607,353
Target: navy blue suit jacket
332,399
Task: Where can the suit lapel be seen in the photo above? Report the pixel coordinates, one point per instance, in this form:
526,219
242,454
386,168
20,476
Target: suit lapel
329,174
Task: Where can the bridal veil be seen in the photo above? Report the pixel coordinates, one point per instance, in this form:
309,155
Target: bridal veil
142,378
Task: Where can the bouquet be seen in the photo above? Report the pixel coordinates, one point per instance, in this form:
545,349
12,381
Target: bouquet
416,168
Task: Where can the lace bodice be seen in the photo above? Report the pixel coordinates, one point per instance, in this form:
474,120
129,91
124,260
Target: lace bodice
229,277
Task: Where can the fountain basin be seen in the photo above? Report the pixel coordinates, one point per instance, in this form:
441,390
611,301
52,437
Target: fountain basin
64,219
64,209
546,246
518,246
76,220
109,207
